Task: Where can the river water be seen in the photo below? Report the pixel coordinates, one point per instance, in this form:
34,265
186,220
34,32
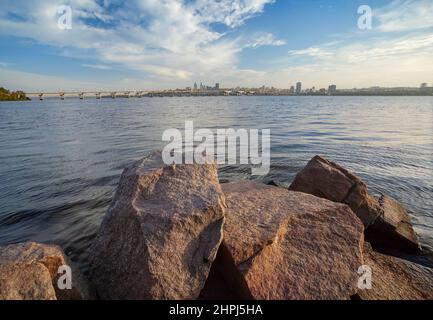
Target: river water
60,161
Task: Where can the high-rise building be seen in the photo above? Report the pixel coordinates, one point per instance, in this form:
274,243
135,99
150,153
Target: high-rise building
332,89
299,88
195,86
201,85
292,90
217,86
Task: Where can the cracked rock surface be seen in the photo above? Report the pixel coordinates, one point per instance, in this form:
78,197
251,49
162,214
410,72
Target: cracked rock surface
161,233
387,223
281,244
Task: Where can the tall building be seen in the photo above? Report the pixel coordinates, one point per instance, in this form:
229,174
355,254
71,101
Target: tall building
292,90
201,85
195,86
332,89
299,88
217,86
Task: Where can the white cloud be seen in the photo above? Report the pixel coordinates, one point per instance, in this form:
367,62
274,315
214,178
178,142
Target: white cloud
397,52
97,66
170,42
405,48
403,15
164,39
312,52
397,61
265,39
229,12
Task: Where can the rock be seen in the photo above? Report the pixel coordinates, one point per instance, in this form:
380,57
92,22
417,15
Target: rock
328,180
393,228
387,223
396,279
280,244
29,271
161,233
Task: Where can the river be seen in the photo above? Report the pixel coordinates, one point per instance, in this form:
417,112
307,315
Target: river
60,161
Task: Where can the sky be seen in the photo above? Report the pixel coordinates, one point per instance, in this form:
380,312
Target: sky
159,44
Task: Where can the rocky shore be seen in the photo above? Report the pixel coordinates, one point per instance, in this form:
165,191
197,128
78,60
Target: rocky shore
175,232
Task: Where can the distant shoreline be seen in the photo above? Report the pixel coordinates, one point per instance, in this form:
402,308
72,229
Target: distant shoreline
6,95
51,97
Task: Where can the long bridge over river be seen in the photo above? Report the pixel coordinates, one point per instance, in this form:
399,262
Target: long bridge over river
124,94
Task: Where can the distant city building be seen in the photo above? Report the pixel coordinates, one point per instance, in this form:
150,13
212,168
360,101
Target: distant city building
217,86
195,86
292,90
423,85
332,89
201,85
298,88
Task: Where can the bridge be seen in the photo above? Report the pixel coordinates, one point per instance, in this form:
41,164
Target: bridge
124,94
86,94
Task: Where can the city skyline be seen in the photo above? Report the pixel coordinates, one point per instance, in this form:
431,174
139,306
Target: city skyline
205,90
165,44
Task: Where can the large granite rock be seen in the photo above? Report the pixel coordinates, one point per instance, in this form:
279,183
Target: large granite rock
387,223
328,180
280,244
161,233
393,229
396,279
29,271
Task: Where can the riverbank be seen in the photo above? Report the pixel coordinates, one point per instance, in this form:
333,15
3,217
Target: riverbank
175,232
6,95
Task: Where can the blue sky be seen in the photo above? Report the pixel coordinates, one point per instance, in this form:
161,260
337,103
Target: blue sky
148,44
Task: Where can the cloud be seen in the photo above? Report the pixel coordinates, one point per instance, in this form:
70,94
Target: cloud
403,15
396,52
265,39
312,52
169,42
405,48
97,66
232,13
163,39
396,61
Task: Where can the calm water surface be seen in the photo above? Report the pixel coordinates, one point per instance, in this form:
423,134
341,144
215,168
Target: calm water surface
60,161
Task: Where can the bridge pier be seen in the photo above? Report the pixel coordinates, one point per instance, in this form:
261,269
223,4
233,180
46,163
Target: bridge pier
81,95
41,96
98,95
